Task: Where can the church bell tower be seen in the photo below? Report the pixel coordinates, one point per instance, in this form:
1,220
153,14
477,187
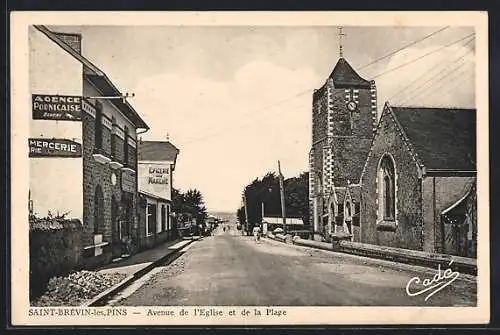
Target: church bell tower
344,118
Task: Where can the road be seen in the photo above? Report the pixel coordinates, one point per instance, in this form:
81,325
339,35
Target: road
233,270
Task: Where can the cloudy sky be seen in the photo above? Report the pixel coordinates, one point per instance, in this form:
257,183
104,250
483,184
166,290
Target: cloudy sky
234,100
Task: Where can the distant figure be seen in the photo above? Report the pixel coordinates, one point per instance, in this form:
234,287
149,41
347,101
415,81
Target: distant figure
224,229
256,233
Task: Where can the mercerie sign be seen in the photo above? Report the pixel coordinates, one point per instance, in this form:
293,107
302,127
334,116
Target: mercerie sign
56,107
44,147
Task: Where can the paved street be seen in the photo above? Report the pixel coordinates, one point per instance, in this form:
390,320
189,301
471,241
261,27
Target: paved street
229,269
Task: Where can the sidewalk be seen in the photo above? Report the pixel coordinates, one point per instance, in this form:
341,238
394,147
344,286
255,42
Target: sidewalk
141,260
137,265
406,256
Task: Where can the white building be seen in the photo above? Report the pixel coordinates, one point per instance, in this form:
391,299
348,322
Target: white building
156,164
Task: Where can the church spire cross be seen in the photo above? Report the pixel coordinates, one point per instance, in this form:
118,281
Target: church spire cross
341,47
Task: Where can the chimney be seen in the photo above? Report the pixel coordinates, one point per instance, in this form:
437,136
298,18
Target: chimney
73,40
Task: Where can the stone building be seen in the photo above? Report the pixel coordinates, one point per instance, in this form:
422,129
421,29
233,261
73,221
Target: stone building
157,162
97,185
344,117
418,182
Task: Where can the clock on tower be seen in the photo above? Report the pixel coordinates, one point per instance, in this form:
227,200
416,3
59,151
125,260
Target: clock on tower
351,105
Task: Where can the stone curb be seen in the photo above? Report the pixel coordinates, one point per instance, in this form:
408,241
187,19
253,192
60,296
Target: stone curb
94,302
461,264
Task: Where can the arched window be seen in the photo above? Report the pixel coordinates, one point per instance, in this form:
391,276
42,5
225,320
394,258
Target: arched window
319,186
387,189
98,210
348,210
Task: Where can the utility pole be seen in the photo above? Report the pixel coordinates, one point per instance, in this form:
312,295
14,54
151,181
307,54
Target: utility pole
246,211
282,192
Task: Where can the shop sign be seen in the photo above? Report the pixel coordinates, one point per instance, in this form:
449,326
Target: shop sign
56,107
159,175
55,147
128,182
155,179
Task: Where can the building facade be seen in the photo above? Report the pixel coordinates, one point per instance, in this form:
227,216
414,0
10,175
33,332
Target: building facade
418,185
156,165
344,116
103,192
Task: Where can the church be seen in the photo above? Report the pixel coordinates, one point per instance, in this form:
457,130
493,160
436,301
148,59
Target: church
418,184
407,180
343,125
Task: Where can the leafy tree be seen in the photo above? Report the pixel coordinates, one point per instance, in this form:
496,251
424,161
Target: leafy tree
195,206
177,200
267,191
189,205
297,196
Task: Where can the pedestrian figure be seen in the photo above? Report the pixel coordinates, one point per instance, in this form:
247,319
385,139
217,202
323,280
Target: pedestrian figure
256,233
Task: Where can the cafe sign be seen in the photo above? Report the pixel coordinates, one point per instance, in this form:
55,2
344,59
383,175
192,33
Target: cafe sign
55,147
56,107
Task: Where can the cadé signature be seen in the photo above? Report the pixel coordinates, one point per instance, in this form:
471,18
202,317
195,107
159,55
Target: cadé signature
440,280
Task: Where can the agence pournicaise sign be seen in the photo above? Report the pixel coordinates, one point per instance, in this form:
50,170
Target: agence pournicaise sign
54,147
57,107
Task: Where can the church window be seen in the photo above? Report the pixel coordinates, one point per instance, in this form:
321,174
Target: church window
387,189
319,186
348,211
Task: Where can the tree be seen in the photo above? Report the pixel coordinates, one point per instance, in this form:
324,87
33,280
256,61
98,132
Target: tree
267,191
194,205
189,205
297,196
177,200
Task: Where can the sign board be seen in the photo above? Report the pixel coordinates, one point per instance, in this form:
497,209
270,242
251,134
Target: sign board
55,147
155,179
56,107
128,182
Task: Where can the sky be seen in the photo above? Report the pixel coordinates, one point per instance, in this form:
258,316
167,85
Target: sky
235,100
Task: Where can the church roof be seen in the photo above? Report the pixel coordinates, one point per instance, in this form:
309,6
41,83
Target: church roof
343,75
443,138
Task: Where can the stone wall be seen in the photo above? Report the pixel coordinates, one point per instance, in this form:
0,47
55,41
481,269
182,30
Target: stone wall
100,174
408,232
55,250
